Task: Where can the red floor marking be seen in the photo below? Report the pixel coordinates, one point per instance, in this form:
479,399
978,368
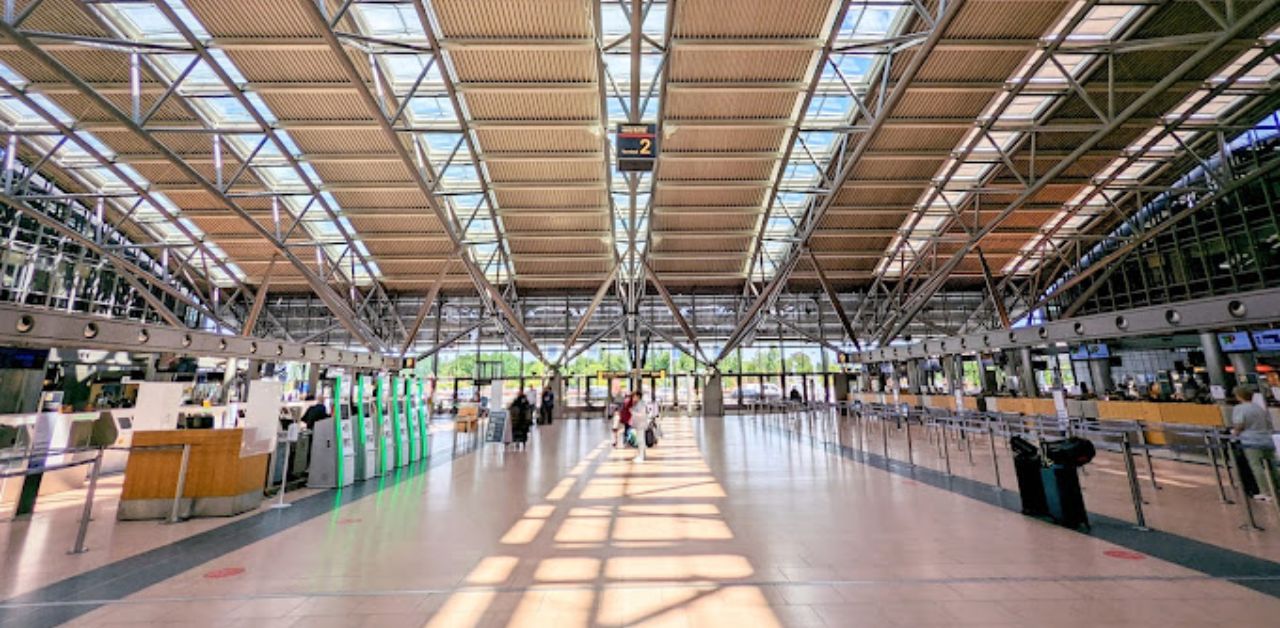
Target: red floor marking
225,572
1124,555
349,521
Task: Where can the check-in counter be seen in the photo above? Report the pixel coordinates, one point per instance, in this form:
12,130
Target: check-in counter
220,480
39,440
1027,405
1152,414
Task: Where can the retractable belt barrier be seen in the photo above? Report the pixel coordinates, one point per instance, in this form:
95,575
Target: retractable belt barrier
946,429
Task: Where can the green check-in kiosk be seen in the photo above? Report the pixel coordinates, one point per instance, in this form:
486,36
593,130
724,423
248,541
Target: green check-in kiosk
366,442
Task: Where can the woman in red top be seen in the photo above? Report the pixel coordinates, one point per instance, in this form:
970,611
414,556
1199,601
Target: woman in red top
624,415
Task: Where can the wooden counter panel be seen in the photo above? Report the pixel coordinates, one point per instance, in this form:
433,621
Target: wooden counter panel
215,468
1191,413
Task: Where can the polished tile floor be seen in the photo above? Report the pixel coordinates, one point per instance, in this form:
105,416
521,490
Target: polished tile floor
726,524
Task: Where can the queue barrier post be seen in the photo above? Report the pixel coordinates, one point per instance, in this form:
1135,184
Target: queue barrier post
87,512
1217,472
182,484
1135,489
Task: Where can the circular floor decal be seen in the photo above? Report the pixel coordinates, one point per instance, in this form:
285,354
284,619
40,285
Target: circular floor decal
1124,554
225,572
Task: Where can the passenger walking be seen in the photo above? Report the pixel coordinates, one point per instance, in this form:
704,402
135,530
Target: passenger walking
520,414
548,405
795,395
625,418
1251,425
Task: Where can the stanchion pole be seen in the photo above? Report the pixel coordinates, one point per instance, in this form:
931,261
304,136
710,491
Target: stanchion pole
995,460
1217,473
884,436
284,479
911,457
85,514
1146,450
1269,467
946,450
1135,490
182,483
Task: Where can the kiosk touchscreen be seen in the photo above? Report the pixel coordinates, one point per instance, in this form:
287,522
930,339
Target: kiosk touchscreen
365,430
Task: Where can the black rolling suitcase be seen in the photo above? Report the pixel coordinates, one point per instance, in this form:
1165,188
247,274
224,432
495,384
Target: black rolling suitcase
1065,501
1031,486
1027,466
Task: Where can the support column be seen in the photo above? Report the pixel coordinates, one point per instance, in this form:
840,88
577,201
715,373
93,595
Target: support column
557,389
229,379
713,397
913,377
1214,361
957,373
1245,366
313,379
948,372
1100,375
1028,380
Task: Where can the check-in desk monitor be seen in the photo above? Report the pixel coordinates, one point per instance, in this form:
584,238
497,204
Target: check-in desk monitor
333,459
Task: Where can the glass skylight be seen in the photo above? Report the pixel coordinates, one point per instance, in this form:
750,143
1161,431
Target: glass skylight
222,110
78,162
1044,88
854,61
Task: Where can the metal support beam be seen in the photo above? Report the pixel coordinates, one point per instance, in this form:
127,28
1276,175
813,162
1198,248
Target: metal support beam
259,301
424,309
834,297
326,294
933,282
48,329
851,159
586,316
675,310
422,178
993,291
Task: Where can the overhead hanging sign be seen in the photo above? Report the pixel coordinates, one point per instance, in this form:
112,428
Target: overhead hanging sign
637,147
625,374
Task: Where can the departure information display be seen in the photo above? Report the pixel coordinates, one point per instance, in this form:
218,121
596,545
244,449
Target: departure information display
637,147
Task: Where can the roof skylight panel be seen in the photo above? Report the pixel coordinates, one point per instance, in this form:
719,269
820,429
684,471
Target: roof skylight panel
1103,22
829,107
870,21
388,21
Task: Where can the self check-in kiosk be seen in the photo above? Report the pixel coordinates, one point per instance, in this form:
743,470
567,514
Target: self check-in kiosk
419,450
399,401
366,443
385,434
333,446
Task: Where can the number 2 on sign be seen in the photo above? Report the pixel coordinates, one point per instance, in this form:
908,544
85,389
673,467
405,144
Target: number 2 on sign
646,146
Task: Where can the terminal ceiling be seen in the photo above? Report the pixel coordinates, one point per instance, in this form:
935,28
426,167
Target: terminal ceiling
466,146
